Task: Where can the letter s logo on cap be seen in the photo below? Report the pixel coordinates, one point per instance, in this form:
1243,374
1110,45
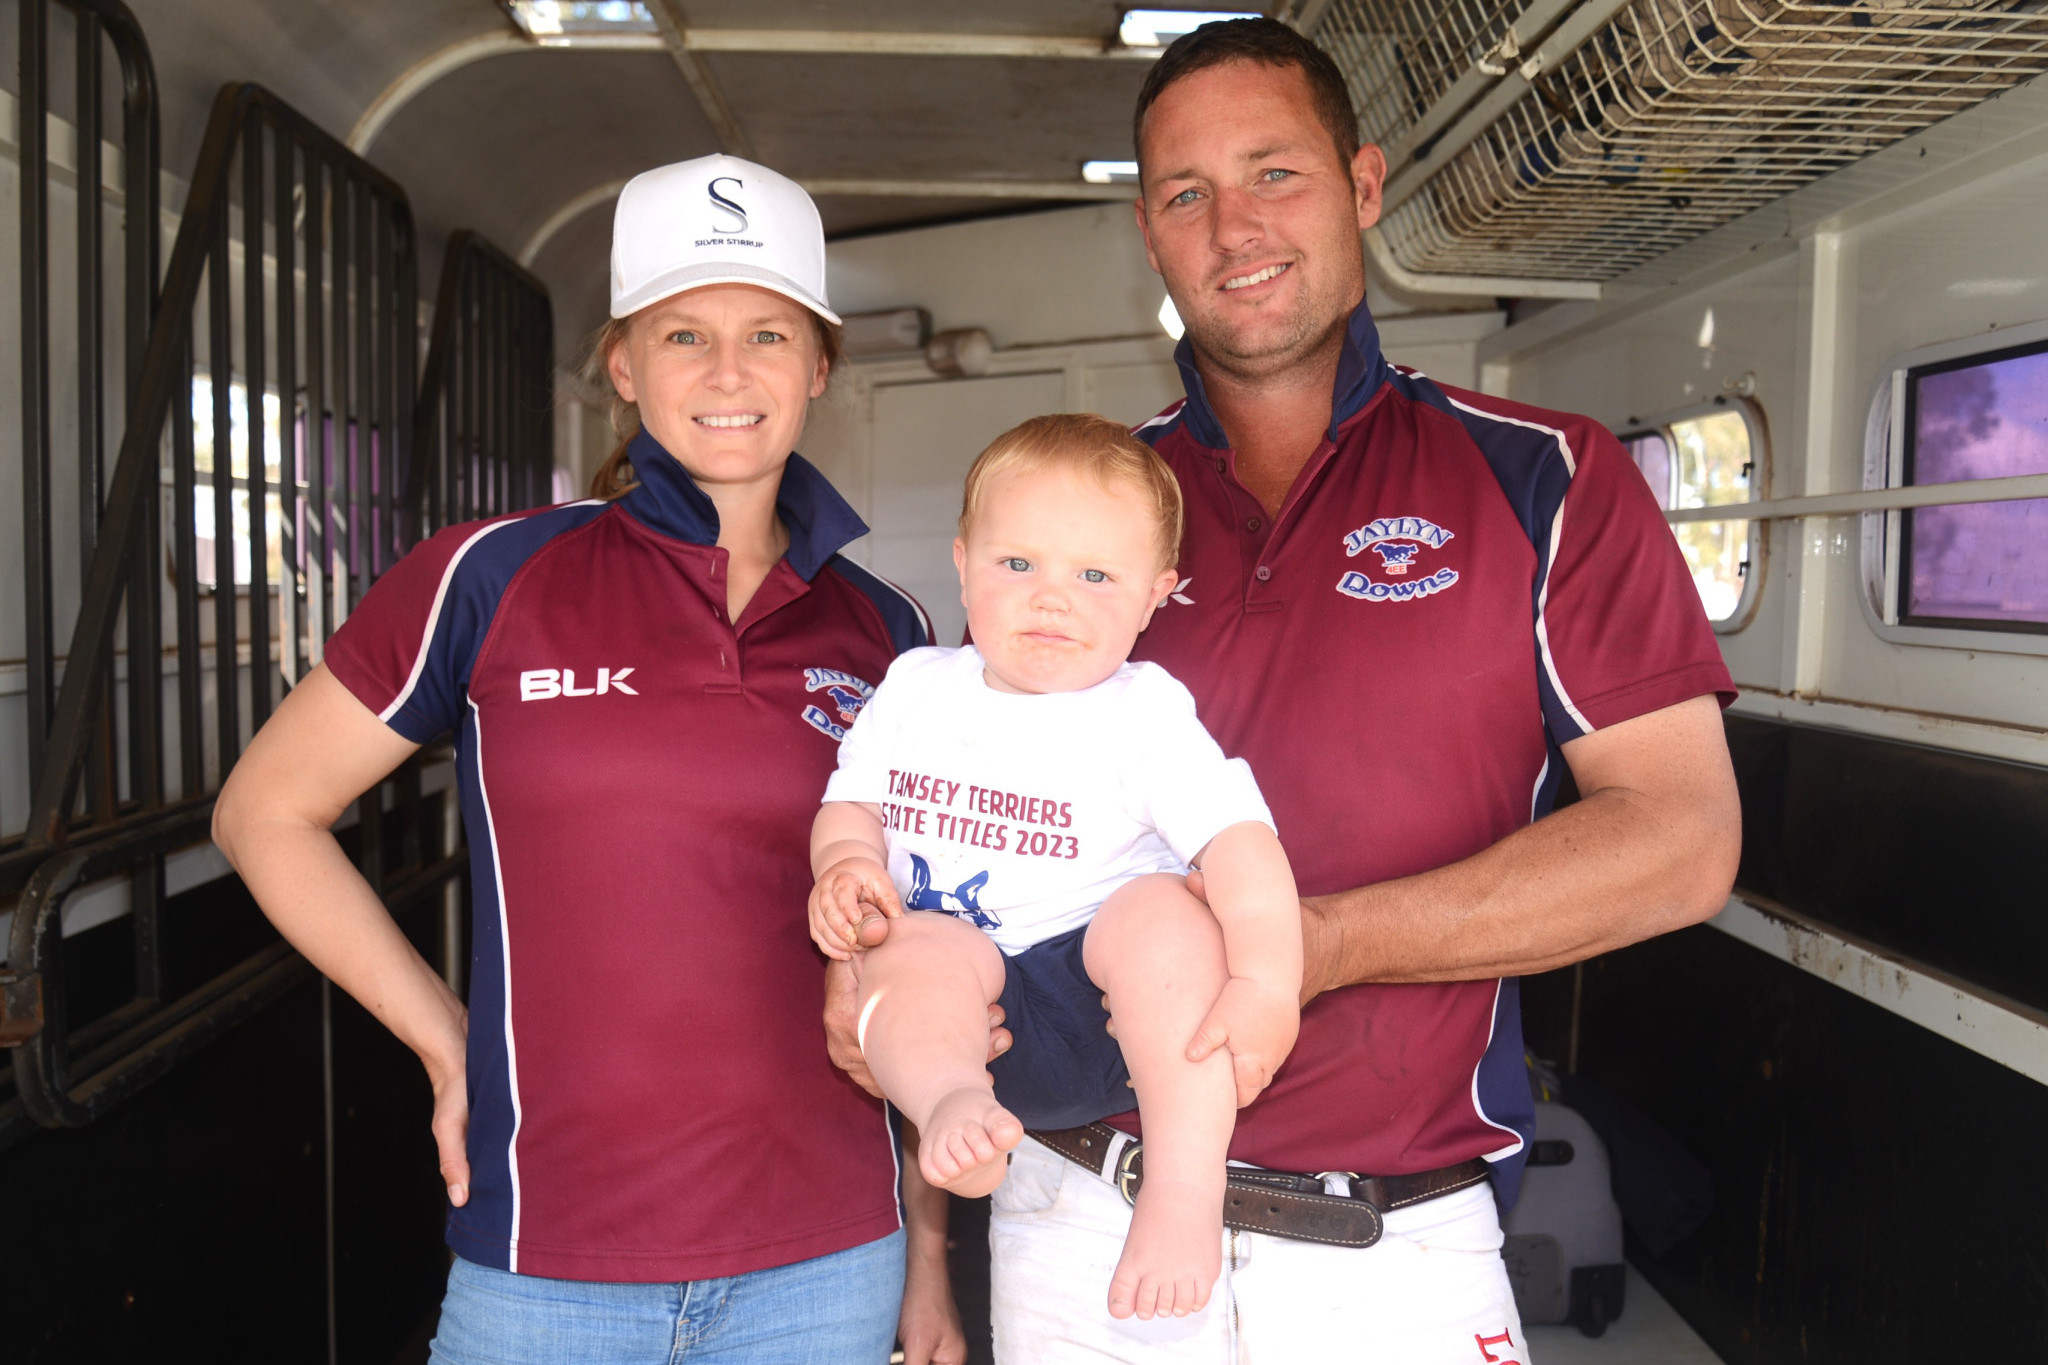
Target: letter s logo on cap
720,203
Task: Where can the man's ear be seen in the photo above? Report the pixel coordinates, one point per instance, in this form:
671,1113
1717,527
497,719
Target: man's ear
1145,232
1368,174
1162,588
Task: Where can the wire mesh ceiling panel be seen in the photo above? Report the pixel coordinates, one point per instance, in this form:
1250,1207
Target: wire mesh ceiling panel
1578,143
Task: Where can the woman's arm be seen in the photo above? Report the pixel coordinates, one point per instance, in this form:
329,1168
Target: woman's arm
273,821
930,1326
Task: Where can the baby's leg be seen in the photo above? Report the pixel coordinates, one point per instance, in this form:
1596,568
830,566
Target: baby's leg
924,998
1157,952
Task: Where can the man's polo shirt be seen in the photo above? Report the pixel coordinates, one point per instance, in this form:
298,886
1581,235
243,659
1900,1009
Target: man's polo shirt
650,1096
1455,586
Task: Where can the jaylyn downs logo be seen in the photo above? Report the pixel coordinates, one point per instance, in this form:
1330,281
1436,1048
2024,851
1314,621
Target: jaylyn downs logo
1398,543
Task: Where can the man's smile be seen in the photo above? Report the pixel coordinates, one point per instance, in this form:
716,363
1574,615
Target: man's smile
1256,277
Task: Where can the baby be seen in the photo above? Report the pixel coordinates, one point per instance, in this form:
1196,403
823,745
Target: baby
1047,798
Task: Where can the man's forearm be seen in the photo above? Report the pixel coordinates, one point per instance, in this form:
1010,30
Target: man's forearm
1614,869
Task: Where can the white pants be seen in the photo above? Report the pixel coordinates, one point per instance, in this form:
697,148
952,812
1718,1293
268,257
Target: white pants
1433,1289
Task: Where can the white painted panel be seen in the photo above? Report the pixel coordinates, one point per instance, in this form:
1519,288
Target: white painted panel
924,438
1033,279
1133,393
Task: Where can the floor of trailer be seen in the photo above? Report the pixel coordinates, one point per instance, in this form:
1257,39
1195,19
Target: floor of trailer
1648,1332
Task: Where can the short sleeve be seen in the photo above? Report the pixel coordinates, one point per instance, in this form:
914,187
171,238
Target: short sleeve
1619,626
1178,778
406,649
864,754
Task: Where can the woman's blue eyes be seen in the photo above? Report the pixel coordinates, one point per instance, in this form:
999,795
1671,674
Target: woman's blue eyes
689,338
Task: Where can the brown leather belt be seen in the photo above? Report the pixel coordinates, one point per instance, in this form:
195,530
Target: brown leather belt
1308,1208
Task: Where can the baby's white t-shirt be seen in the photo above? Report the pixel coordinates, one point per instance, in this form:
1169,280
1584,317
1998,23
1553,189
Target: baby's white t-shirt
1021,813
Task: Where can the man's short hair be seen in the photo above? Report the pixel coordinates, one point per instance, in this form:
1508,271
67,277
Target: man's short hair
1090,444
1267,41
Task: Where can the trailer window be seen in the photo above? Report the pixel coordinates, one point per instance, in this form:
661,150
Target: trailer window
1706,459
207,518
1979,566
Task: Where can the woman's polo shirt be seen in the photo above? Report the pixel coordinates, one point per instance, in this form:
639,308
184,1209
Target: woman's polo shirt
650,1096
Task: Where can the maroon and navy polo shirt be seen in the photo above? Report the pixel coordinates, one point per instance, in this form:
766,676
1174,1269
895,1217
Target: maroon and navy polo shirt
1455,587
650,1096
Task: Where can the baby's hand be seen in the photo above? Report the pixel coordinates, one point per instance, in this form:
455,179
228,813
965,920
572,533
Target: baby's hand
1257,1021
848,892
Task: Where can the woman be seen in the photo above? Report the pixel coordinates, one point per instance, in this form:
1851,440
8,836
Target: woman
647,1151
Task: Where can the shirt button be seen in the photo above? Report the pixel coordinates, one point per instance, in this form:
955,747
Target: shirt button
1220,466
1264,573
1253,524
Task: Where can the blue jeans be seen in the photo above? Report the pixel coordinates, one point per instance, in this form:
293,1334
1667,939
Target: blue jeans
833,1310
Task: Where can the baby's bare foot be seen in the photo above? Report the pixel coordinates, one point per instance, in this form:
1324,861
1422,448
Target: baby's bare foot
1173,1253
962,1146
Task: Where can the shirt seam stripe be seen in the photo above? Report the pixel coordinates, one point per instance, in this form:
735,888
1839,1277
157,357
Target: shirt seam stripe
505,957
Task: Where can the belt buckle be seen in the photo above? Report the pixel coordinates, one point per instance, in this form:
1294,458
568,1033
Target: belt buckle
1126,1176
1338,1183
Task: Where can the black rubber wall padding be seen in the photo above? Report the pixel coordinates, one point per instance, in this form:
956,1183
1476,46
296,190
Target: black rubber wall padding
1939,855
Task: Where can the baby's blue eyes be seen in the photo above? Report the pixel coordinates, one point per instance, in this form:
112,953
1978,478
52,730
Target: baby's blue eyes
1019,564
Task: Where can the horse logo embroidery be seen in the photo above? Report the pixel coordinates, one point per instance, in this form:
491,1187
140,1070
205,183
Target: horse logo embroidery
1395,556
963,901
846,693
1399,542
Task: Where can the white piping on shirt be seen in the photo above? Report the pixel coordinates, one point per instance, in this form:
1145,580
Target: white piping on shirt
1571,467
419,661
1492,1019
505,952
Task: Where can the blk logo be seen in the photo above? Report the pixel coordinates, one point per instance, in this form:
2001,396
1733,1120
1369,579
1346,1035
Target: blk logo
539,684
722,204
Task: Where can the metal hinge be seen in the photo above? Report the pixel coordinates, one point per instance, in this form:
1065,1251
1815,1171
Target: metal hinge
21,1006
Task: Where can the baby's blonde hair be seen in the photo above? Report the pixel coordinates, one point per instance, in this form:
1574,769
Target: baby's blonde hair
1093,444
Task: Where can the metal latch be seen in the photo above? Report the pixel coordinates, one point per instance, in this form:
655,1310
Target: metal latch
21,1006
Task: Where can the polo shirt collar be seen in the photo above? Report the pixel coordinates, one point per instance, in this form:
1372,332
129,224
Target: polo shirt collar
669,501
1361,369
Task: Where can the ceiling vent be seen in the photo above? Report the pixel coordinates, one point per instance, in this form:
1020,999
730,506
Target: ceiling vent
1561,141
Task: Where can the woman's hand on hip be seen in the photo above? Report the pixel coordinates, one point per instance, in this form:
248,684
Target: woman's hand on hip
448,1072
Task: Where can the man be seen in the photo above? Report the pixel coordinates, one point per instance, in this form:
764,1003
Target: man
1411,608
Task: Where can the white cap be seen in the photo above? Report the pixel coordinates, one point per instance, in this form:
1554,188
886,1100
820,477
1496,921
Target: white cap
716,220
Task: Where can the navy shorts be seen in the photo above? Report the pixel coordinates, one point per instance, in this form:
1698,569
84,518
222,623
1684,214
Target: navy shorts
1063,1069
